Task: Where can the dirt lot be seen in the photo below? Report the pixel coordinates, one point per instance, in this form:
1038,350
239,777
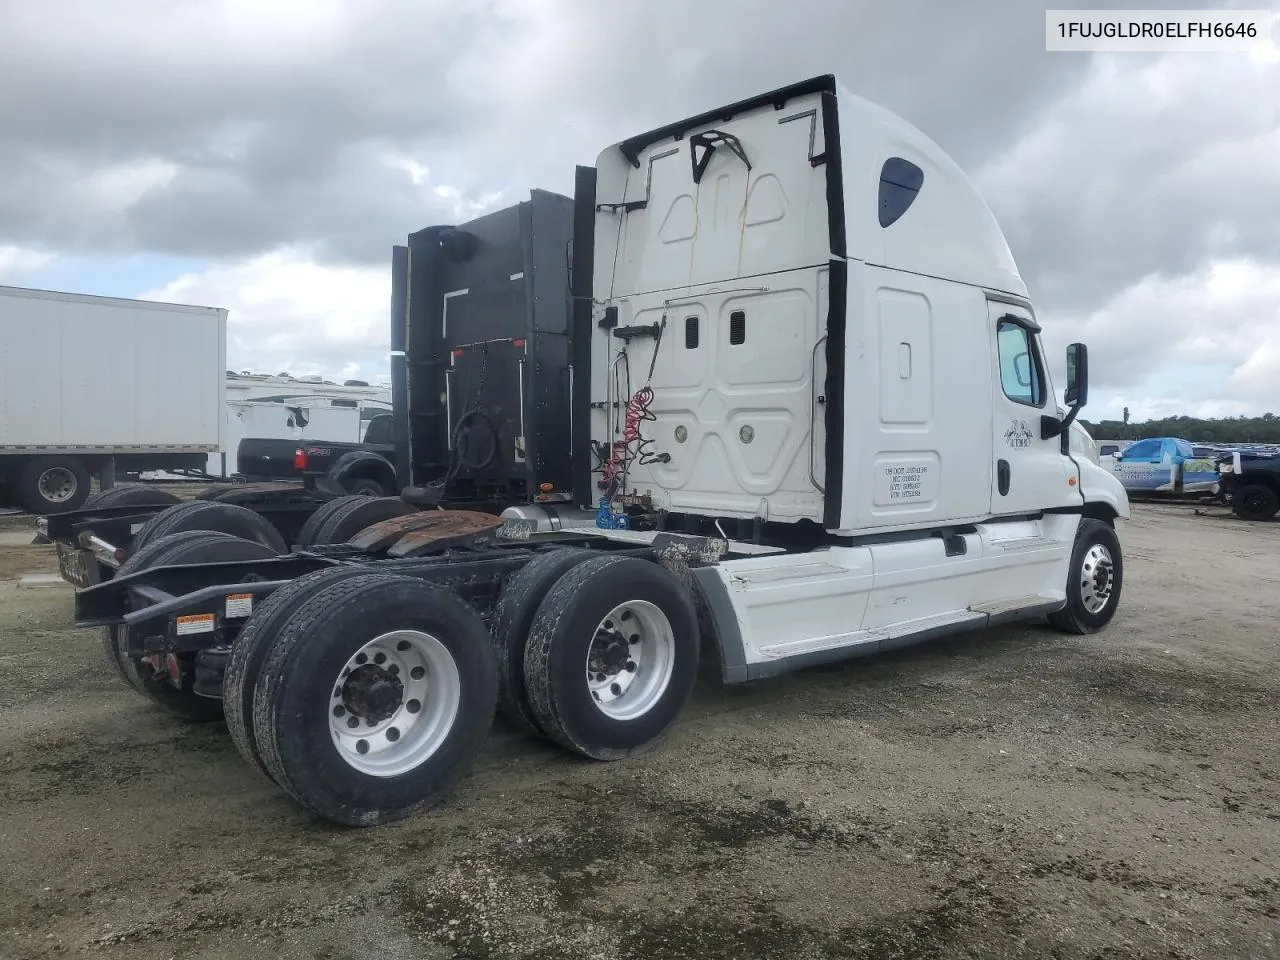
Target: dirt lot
1016,793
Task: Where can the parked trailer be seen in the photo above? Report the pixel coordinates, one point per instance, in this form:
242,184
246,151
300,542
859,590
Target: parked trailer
824,430
91,386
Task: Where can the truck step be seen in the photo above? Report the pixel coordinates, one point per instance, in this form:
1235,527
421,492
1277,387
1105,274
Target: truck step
996,608
1022,544
836,641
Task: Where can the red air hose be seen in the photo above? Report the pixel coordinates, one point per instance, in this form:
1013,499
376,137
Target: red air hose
637,412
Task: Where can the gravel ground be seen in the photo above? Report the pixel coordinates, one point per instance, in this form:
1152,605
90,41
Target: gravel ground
1016,793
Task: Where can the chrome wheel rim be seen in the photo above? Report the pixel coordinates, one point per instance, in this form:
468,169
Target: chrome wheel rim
630,660
57,485
394,702
1097,578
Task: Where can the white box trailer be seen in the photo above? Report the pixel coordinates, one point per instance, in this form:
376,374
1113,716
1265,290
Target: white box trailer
95,385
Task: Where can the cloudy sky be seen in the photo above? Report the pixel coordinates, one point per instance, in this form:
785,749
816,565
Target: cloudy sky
265,156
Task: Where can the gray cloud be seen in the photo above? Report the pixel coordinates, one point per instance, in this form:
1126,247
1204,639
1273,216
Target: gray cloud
224,130
279,136
276,129
1146,168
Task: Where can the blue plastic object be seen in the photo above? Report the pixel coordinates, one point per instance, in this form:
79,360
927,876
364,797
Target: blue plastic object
606,519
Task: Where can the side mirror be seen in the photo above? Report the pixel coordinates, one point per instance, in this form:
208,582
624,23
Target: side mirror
1075,396
1077,392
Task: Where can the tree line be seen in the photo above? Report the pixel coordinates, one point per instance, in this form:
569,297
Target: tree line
1263,429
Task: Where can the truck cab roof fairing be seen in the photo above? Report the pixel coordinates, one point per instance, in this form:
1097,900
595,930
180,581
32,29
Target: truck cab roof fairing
948,231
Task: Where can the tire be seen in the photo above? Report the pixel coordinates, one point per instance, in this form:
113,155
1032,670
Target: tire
364,487
318,516
512,617
131,495
563,631
340,520
251,647
359,513
294,700
1096,577
53,485
188,546
211,515
138,560
1255,501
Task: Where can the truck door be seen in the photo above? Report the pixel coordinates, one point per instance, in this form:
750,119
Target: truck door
1198,472
1030,473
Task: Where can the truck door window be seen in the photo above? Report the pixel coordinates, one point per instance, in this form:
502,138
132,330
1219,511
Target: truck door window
1020,371
1143,450
379,430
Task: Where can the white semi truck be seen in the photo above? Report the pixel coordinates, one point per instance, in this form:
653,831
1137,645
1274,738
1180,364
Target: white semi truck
91,386
812,420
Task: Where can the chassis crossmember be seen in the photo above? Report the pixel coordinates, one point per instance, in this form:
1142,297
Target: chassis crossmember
188,608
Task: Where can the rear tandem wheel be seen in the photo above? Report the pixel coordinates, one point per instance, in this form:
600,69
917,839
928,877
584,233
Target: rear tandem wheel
130,495
342,518
612,657
513,615
211,515
254,642
373,698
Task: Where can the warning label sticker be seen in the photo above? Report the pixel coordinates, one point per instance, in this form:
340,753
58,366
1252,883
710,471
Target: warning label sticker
194,623
239,605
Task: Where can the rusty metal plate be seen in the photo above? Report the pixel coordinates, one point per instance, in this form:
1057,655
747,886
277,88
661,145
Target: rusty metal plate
459,527
428,529
384,533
